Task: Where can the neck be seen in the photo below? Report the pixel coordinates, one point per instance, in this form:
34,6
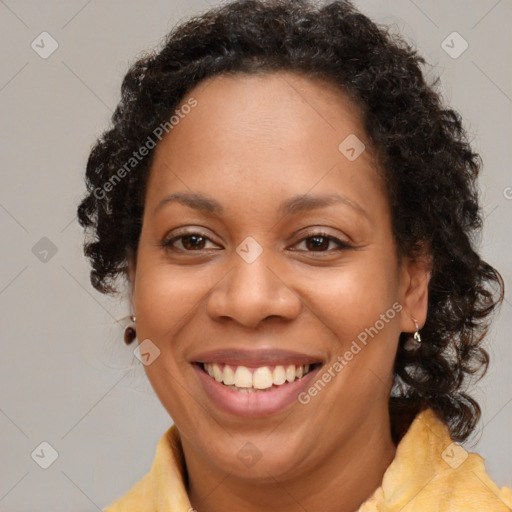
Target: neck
341,482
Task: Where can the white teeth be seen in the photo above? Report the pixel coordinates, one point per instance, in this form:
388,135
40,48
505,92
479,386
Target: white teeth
262,378
228,375
243,377
248,380
209,369
246,390
290,373
279,375
217,374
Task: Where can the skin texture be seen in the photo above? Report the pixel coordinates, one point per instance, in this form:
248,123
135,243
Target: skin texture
250,143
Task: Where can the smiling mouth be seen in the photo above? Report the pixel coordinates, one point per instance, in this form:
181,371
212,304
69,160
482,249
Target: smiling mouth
256,380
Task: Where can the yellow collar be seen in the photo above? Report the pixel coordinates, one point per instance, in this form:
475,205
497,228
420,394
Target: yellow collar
429,473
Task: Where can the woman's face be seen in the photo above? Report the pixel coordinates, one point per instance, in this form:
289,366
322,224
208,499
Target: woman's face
276,250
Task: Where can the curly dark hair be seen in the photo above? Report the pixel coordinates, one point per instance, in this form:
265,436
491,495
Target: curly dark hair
429,168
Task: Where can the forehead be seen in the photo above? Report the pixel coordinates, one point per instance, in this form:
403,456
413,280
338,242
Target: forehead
264,134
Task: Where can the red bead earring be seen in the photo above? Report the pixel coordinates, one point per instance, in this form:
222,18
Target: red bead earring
129,333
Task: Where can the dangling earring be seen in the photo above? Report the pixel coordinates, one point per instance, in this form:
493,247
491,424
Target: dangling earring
417,337
130,333
413,342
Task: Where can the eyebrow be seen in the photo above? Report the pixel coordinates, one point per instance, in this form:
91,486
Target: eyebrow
292,206
196,201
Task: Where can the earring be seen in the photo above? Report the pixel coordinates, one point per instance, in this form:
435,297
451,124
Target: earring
413,342
417,337
130,333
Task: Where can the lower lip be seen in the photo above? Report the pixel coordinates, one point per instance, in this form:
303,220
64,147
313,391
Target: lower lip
253,404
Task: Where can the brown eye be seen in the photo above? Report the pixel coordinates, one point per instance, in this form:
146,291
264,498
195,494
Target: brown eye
192,242
319,242
187,242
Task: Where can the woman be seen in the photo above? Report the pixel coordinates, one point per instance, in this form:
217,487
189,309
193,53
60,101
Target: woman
293,209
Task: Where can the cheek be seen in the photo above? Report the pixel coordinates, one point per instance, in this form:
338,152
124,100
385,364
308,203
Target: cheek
360,307
168,297
352,297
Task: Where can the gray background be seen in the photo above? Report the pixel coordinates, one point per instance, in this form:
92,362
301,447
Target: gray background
66,376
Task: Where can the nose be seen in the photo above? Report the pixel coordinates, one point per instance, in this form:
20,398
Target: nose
252,292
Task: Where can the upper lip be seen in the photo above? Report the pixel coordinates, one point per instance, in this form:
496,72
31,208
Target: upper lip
255,358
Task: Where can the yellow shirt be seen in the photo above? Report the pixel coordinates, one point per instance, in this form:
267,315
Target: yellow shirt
428,474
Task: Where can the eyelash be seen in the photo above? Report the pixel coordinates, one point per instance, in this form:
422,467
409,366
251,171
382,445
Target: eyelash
166,244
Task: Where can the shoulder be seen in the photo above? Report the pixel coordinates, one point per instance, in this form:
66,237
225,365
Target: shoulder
464,484
163,488
139,498
431,472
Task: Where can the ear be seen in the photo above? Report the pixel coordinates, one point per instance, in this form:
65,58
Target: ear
415,276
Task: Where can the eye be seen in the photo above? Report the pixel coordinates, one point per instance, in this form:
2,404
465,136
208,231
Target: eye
192,241
317,241
320,241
